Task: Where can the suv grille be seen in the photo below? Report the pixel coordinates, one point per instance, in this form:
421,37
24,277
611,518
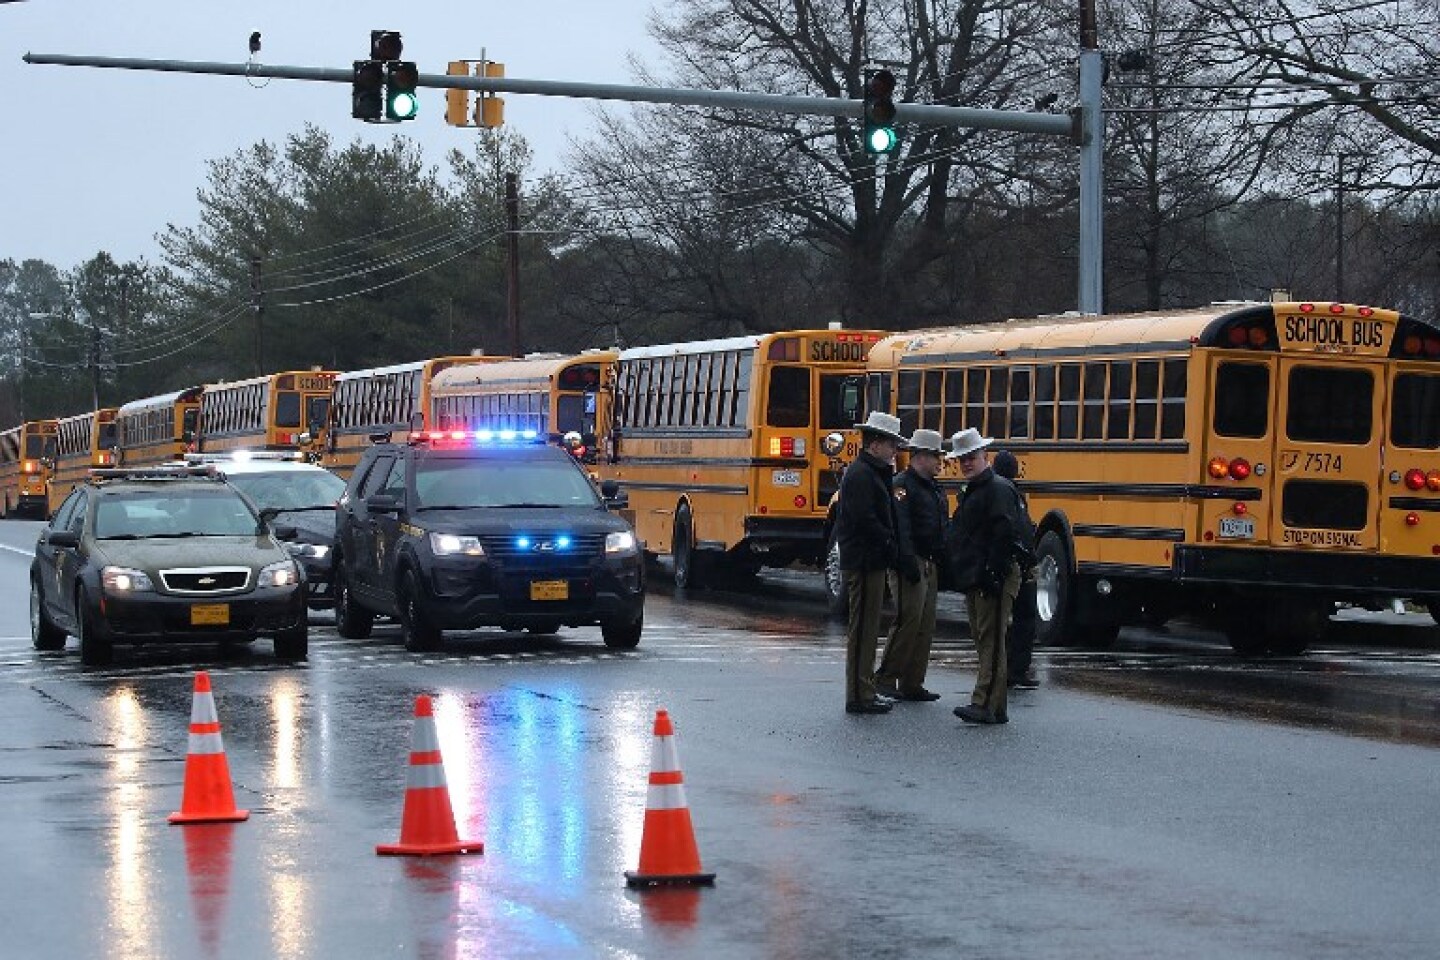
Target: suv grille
202,581
544,548
1325,505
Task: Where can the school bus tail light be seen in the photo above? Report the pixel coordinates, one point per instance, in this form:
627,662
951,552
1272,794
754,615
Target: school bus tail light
29,466
1412,519
800,501
1415,479
1239,508
1239,469
1219,468
787,446
1432,481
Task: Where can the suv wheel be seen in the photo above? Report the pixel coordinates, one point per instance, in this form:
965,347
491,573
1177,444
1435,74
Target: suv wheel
293,644
96,649
622,634
44,634
420,634
351,621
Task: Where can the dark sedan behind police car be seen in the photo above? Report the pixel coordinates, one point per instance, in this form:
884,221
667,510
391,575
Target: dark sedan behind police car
162,555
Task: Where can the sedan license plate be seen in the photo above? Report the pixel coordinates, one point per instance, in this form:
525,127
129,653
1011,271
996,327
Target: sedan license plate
785,478
549,589
1237,528
210,614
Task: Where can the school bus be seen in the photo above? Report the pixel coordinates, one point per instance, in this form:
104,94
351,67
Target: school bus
1253,463
158,429
279,411
27,454
730,450
391,401
82,443
556,395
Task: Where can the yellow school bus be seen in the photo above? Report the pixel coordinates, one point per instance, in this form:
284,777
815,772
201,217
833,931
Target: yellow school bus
27,453
279,411
1254,463
82,443
555,395
382,401
730,450
158,429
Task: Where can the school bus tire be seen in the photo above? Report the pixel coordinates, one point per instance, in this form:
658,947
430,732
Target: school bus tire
1055,582
688,563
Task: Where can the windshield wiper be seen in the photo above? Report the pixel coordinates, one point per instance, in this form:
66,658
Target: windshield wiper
532,506
318,506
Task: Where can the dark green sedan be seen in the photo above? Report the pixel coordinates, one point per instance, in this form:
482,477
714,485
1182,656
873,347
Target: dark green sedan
163,556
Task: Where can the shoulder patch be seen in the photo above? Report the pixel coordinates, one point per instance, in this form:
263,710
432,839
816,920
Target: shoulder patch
900,493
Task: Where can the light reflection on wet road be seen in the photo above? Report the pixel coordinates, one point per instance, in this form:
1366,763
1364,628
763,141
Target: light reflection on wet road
1133,808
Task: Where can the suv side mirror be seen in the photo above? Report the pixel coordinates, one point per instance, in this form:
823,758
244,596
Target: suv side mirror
614,497
383,503
285,532
63,538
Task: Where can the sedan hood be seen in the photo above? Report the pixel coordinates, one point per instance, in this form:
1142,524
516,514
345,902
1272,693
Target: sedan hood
167,554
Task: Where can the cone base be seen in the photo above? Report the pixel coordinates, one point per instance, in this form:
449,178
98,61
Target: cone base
633,879
227,817
428,849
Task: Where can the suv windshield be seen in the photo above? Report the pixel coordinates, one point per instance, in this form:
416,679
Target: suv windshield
489,483
170,512
290,489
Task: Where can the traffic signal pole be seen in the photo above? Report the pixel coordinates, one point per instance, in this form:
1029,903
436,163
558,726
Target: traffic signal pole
1084,126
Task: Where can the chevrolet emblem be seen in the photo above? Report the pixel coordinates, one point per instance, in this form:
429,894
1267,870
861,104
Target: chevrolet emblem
205,581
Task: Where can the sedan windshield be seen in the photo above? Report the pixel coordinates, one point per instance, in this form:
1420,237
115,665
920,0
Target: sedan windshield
289,490
142,514
469,483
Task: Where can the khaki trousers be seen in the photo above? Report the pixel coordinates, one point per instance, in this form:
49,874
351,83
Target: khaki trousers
867,594
907,650
989,618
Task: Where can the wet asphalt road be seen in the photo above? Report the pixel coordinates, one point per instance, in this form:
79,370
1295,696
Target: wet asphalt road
1160,799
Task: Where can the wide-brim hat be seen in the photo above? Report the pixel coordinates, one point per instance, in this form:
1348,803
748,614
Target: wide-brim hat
883,425
926,441
967,441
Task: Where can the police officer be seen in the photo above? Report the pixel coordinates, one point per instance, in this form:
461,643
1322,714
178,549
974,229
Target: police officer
865,532
920,515
1020,641
981,541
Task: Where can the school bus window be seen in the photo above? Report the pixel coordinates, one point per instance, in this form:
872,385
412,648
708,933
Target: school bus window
908,402
788,404
1020,403
319,410
954,402
108,435
877,393
1329,405
1045,403
997,403
1069,404
741,400
1415,411
287,409
931,385
1242,400
1093,421
1117,423
1325,504
833,399
1147,399
1172,400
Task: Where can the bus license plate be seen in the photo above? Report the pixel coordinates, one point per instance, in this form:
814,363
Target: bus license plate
1237,528
549,589
785,478
209,614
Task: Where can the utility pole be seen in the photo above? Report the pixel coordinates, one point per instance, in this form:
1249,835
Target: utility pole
1340,228
1092,168
94,362
257,298
512,260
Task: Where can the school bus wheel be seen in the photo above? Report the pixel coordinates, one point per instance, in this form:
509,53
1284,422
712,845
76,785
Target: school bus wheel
682,549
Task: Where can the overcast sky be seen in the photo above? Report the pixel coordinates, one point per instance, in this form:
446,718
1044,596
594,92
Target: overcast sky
103,159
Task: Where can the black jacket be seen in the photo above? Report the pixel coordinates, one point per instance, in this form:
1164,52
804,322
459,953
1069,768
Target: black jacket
865,525
920,516
983,535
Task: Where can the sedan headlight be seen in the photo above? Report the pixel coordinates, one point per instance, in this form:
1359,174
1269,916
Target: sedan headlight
619,544
124,581
455,545
310,551
282,574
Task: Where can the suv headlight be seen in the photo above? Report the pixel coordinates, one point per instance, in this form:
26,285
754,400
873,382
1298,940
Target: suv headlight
124,580
619,544
455,545
310,551
282,574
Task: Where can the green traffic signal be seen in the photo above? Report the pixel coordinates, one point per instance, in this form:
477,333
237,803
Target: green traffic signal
401,101
880,139
879,135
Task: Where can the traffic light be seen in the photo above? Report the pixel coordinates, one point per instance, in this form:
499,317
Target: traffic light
457,102
490,109
367,101
880,136
385,45
401,103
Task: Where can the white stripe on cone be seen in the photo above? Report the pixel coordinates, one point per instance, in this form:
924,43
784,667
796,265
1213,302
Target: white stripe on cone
423,776
665,796
206,743
202,709
664,758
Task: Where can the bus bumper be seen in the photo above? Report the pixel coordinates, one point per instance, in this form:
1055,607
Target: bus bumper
1337,575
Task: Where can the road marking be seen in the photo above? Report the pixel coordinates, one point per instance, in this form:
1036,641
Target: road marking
20,550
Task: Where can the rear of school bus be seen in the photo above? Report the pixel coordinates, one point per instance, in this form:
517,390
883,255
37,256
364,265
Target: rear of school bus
1322,437
27,454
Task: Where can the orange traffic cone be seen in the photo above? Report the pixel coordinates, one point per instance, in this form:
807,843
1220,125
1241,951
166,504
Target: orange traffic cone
427,825
667,844
208,797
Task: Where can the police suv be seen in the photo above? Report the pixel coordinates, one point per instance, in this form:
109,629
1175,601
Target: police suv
457,530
